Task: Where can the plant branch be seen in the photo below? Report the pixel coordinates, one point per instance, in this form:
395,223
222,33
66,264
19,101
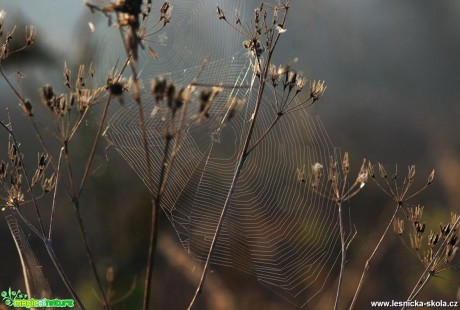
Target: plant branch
368,261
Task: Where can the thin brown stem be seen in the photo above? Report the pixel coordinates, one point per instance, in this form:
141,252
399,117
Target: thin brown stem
420,287
368,261
62,274
156,203
343,255
278,117
242,158
95,144
56,185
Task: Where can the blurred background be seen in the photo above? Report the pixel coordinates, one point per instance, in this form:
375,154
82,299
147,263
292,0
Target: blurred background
391,71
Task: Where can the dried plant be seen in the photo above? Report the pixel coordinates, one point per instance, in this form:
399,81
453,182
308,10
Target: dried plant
70,105
400,191
339,189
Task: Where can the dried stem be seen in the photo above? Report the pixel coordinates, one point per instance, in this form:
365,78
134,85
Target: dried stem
343,254
242,158
368,261
156,203
53,206
61,272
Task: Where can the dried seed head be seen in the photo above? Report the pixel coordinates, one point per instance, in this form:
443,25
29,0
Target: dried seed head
31,31
370,169
3,170
80,83
116,88
453,218
165,12
317,173
383,172
47,95
431,177
207,97
292,79
158,88
300,83
445,230
234,105
27,107
15,196
317,89
49,183
273,75
433,239
450,253
453,240
301,174
2,18
179,99
84,100
220,13
411,174
419,228
415,214
416,241
280,29
346,163
363,174
14,156
398,226
254,47
170,94
66,75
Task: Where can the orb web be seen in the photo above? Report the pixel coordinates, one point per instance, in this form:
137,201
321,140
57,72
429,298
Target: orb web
276,228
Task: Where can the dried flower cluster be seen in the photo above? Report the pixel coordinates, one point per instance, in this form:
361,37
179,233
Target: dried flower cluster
447,237
134,18
339,188
11,177
5,51
265,26
397,189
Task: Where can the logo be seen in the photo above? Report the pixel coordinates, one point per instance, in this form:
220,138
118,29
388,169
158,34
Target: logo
19,299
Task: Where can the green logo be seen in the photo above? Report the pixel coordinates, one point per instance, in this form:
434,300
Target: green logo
19,299
10,296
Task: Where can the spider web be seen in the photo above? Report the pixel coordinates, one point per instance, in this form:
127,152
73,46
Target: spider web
276,227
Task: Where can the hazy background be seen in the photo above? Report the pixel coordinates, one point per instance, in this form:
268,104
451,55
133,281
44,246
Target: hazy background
392,73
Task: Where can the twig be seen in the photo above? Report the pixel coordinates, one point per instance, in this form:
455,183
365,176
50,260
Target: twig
53,206
343,253
368,261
